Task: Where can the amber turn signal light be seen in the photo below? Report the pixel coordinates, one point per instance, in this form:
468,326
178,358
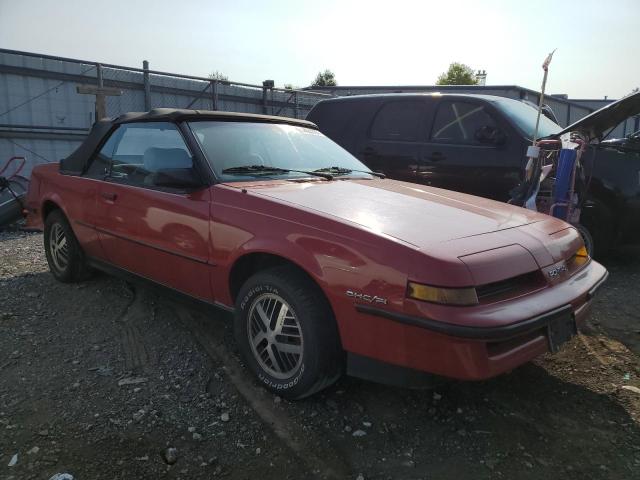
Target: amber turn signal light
445,296
582,252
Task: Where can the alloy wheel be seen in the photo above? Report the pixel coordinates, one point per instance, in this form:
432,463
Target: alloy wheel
275,335
59,247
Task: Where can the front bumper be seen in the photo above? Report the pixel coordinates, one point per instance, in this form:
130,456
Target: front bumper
484,341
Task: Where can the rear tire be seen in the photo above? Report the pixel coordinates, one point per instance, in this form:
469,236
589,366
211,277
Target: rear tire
597,221
287,334
64,255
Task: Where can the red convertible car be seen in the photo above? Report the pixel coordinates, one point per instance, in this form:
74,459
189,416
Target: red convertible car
328,266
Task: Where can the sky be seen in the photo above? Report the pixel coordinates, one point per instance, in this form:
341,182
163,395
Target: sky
363,42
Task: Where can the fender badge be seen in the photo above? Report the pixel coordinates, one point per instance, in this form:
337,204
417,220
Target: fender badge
557,270
366,298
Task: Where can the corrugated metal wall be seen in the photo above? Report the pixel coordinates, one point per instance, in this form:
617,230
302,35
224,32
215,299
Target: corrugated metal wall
43,118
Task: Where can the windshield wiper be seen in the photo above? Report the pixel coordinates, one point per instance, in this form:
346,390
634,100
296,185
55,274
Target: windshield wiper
249,169
344,171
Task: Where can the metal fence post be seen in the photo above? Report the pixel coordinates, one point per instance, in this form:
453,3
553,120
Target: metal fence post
101,107
264,99
147,85
214,95
267,85
296,110
99,78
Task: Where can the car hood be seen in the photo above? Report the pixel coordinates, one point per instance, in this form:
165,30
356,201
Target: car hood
414,214
597,123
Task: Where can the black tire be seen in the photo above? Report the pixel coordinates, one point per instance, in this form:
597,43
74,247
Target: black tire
321,360
74,268
598,221
587,238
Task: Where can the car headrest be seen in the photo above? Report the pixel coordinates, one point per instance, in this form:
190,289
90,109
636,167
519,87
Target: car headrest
155,159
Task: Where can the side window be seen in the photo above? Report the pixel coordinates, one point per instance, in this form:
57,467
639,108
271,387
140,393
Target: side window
400,120
461,122
101,162
141,150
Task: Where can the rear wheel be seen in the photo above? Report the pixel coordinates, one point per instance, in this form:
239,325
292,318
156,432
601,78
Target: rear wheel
64,255
597,230
287,333
587,238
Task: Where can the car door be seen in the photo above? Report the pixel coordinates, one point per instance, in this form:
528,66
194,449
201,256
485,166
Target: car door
470,150
158,232
82,206
394,139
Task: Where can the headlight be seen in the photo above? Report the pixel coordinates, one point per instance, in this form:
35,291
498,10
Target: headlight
446,296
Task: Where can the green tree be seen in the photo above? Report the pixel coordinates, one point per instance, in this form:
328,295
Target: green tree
458,74
216,75
325,79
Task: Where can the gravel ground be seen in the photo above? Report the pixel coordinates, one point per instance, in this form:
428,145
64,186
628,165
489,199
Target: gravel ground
105,379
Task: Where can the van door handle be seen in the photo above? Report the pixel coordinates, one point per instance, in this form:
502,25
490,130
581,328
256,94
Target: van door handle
109,196
436,157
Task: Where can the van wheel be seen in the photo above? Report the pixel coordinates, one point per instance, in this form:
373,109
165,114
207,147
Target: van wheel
64,255
287,334
587,238
599,230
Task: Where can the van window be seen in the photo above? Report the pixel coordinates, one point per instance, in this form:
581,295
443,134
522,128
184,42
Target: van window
399,121
458,122
525,116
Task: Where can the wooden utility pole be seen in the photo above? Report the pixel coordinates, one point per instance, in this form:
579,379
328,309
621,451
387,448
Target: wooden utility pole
101,92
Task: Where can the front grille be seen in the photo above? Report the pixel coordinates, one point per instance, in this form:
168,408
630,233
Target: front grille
510,287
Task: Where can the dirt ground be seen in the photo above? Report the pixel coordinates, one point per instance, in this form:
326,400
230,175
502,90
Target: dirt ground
107,380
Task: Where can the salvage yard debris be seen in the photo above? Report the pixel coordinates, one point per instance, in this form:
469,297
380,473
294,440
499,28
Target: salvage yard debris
631,388
131,381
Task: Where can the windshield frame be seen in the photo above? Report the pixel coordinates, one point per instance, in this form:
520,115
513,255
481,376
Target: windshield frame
291,175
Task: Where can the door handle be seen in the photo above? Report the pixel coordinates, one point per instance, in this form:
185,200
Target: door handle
436,157
109,196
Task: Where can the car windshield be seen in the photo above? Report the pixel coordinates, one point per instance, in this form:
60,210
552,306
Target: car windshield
524,116
237,150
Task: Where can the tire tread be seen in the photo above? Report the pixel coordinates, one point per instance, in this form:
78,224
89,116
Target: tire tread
300,286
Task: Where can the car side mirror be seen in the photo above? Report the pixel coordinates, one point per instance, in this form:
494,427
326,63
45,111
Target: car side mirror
489,135
185,178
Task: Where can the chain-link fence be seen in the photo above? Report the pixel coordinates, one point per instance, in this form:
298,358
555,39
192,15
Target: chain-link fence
48,103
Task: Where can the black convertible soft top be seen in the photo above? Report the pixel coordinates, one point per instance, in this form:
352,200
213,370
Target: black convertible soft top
75,163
